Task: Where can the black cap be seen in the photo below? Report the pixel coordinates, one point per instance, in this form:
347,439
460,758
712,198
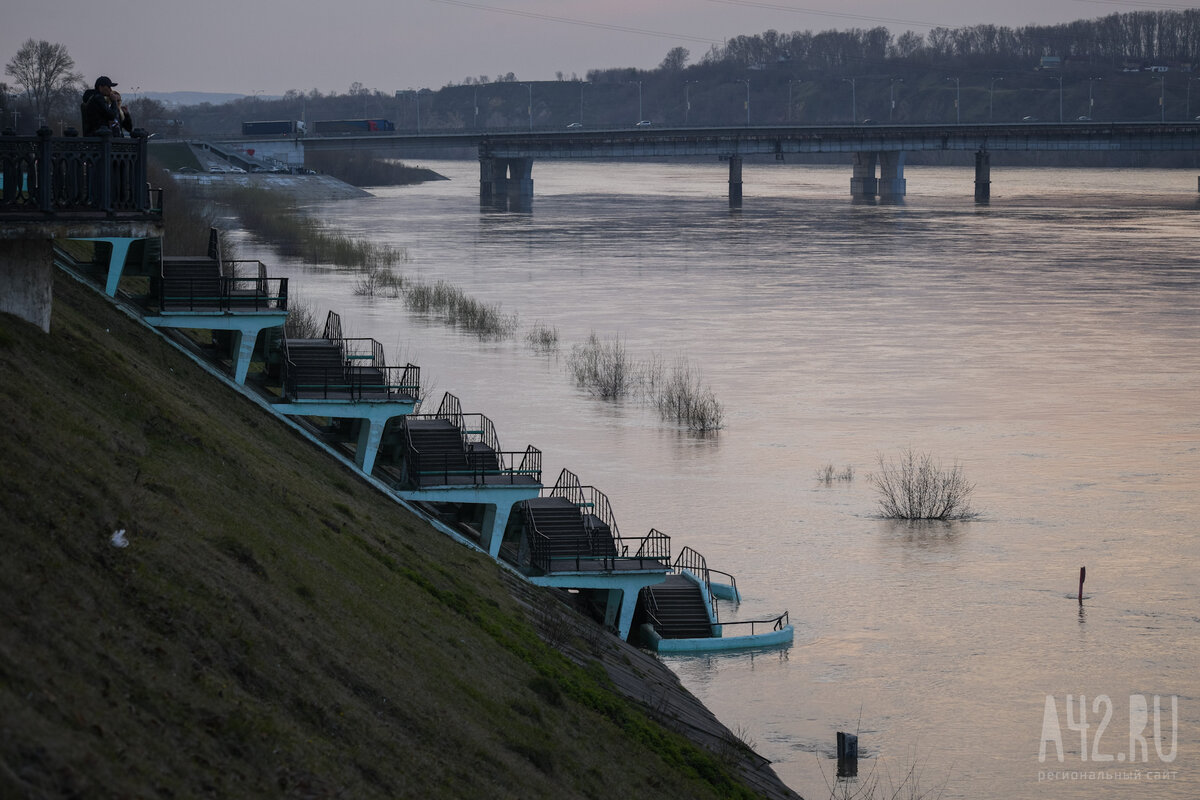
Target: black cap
104,80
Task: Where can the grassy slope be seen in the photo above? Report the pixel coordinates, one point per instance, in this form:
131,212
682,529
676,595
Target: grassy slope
275,627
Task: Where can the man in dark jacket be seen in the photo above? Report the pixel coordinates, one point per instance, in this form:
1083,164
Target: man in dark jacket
102,109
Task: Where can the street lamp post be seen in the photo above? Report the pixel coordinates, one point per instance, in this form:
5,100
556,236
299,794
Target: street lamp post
475,105
992,96
789,108
639,85
892,95
747,82
957,98
687,101
1091,98
529,86
1060,98
581,85
1187,109
1162,98
853,100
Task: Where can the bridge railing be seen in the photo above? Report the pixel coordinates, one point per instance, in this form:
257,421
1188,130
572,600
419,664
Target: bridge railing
47,175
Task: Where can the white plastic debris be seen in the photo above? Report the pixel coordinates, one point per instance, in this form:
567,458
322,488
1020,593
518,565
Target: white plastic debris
118,539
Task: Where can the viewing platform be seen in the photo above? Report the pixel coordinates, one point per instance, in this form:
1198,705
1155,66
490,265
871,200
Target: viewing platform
345,380
69,187
452,464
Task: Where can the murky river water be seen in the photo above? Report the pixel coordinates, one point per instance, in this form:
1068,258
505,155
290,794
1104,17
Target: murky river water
1049,342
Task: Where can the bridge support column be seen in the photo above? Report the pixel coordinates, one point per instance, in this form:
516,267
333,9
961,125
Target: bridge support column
506,182
520,177
26,279
983,176
493,177
863,183
892,186
495,520
735,180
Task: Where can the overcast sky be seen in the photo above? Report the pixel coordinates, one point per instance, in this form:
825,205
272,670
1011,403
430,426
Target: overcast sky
270,46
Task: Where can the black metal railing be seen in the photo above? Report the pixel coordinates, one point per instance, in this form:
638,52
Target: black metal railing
775,623
224,294
692,561
45,174
351,383
588,499
520,466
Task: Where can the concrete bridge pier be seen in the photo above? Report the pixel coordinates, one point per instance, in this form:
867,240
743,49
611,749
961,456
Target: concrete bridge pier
892,185
863,183
983,176
502,177
735,181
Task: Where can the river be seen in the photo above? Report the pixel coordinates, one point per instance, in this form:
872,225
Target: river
1048,342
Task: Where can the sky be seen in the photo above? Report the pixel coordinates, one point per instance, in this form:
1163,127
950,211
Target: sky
269,46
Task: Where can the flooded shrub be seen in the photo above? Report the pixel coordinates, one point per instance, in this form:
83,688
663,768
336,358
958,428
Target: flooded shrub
915,486
603,368
379,281
827,474
542,339
682,397
274,217
484,320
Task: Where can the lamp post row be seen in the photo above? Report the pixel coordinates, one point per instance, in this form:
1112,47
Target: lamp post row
892,80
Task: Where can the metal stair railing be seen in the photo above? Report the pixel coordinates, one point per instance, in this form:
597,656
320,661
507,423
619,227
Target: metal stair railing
588,499
692,561
777,623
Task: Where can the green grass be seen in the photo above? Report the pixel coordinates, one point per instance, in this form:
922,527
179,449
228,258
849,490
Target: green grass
276,627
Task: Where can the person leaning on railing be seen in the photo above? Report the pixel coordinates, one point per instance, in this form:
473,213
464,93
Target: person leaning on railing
102,109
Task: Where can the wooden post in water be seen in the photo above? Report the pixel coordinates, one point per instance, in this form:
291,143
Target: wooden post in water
1082,575
847,755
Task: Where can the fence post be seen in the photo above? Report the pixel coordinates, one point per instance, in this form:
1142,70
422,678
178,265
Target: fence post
104,182
45,185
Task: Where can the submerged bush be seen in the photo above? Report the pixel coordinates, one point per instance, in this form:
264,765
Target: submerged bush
485,321
274,217
604,368
827,474
914,486
542,339
683,398
379,281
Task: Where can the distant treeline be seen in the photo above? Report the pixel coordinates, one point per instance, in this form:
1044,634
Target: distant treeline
1089,68
1139,37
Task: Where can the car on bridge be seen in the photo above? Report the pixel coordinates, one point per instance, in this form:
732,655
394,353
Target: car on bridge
575,125
643,124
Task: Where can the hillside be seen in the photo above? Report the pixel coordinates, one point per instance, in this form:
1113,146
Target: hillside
276,627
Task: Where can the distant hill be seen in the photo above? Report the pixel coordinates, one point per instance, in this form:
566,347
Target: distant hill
196,98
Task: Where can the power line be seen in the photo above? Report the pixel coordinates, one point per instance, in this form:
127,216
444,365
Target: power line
836,14
1148,4
579,22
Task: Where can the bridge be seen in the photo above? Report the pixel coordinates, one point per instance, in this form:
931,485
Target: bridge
877,151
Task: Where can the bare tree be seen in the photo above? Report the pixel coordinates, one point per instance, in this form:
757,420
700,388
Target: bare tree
677,58
44,70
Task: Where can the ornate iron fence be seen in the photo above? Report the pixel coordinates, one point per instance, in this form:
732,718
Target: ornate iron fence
44,174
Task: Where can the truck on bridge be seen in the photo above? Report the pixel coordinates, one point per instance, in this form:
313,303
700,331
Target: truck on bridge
327,127
276,127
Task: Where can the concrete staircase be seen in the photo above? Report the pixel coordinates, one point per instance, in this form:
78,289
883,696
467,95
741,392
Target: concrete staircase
316,368
190,284
678,606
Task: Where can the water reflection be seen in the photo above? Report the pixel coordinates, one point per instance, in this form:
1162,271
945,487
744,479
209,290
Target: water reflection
1050,337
